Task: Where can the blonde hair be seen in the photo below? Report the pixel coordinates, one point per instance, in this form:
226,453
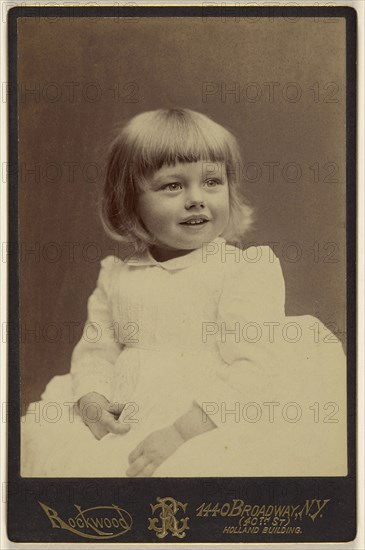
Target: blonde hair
165,137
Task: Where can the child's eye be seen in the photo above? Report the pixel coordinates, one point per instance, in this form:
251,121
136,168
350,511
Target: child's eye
212,182
174,186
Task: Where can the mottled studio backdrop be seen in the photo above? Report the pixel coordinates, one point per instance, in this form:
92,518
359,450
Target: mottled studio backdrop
278,84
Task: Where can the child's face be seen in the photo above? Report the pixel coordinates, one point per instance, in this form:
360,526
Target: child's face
186,205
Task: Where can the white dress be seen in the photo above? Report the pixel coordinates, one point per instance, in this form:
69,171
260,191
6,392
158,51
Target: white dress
208,327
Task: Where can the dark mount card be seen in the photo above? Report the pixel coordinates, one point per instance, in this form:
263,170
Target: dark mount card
278,462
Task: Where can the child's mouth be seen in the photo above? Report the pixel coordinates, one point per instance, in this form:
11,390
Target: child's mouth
195,222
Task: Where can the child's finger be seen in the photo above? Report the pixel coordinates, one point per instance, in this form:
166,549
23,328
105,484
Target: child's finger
147,470
116,408
112,425
119,428
137,466
135,454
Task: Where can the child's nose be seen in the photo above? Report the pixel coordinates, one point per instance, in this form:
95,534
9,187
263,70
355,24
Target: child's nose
195,197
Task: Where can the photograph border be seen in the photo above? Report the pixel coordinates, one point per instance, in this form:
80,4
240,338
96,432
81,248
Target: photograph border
138,495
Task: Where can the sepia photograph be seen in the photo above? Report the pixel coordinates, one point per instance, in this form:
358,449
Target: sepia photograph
185,251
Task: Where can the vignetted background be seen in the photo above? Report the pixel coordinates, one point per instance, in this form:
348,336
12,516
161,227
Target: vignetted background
278,84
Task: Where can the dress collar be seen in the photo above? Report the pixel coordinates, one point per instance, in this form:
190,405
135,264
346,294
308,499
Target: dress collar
181,262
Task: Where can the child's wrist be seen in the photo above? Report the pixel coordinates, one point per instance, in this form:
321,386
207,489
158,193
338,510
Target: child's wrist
178,437
193,423
178,431
183,427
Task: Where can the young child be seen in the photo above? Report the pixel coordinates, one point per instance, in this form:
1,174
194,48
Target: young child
188,365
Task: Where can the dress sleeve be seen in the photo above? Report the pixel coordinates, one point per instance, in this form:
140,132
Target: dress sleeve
251,305
94,357
250,311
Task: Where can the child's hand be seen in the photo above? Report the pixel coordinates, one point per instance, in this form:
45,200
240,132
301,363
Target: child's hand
152,451
101,416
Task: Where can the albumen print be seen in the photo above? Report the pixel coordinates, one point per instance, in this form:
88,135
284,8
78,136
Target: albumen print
184,187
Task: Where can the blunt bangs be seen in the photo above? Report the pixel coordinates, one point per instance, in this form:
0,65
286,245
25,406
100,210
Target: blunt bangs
161,137
151,140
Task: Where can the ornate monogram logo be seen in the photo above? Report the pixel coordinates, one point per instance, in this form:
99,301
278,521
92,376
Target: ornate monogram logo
169,523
